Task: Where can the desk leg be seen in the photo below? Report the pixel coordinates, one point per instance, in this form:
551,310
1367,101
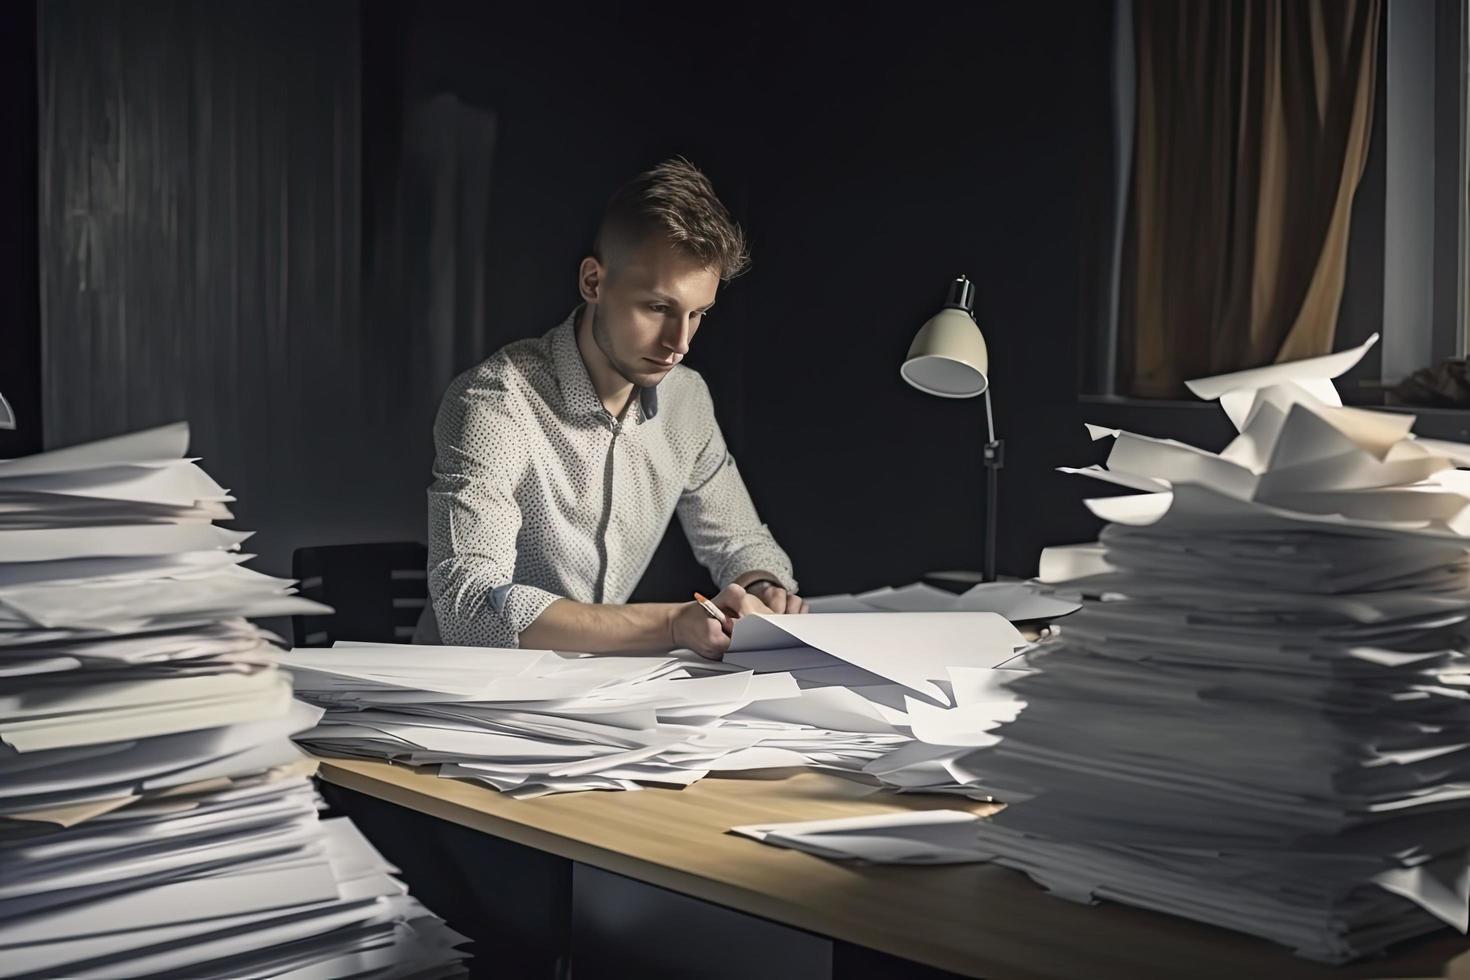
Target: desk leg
851,962
542,917
513,901
625,928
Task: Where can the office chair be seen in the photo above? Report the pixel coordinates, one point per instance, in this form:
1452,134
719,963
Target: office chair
376,590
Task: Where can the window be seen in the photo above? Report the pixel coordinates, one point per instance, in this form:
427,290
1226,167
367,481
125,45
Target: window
1251,224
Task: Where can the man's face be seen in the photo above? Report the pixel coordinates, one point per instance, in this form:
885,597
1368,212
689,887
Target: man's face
650,301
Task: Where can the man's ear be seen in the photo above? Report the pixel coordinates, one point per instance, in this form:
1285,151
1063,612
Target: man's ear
591,279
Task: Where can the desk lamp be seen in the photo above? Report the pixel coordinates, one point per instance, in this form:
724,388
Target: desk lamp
948,358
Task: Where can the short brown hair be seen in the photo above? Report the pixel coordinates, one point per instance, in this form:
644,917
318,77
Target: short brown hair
678,202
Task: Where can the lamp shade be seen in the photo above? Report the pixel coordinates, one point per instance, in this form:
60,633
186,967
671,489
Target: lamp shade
948,357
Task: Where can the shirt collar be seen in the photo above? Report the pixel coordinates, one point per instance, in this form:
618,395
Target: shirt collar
577,392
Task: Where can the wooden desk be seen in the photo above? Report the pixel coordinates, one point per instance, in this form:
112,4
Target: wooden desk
975,920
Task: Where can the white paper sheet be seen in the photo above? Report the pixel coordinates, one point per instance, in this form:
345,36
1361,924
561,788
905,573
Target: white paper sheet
1314,374
913,649
121,541
914,837
152,447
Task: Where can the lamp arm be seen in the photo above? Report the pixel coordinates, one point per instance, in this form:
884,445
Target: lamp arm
994,458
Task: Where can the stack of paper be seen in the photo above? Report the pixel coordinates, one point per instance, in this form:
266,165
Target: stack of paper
899,698
155,817
1264,723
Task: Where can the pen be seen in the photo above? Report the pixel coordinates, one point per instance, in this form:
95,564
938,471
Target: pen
714,611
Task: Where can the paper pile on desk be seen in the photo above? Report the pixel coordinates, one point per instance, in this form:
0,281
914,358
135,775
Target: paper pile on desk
1265,723
155,817
530,722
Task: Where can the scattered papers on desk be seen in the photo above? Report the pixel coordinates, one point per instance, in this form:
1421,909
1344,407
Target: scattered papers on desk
1264,721
914,837
901,706
530,722
1016,601
155,817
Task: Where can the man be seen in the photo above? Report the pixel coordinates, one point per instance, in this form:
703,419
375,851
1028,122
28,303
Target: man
561,459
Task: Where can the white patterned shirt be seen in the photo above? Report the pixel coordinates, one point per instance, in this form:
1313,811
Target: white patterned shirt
540,493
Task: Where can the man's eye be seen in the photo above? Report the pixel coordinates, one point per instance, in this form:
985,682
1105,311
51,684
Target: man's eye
657,307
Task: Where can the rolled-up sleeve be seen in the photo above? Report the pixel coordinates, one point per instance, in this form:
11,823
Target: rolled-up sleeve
720,519
474,520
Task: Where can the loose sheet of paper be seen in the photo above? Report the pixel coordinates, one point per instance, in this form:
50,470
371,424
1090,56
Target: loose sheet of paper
914,837
913,649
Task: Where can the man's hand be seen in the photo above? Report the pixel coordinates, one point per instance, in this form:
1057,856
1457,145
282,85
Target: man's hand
692,628
744,603
778,600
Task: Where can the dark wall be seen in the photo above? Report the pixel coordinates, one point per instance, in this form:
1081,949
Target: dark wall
873,153
292,224
20,297
903,146
199,243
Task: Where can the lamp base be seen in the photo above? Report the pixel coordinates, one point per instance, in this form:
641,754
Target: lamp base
960,580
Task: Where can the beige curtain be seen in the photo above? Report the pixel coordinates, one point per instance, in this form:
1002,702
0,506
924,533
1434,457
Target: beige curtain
1253,125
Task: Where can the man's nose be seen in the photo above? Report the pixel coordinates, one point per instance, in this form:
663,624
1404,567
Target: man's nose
678,332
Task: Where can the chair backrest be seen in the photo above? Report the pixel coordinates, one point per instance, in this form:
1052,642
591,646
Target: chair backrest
376,590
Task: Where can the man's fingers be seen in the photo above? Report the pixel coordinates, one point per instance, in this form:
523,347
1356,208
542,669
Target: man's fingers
731,600
716,642
806,607
775,598
754,605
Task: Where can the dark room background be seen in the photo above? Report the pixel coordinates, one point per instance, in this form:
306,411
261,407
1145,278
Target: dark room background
292,224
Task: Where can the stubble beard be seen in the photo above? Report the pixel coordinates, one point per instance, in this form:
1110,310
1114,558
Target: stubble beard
604,343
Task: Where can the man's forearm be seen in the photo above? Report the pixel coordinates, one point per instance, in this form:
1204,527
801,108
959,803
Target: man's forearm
602,628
